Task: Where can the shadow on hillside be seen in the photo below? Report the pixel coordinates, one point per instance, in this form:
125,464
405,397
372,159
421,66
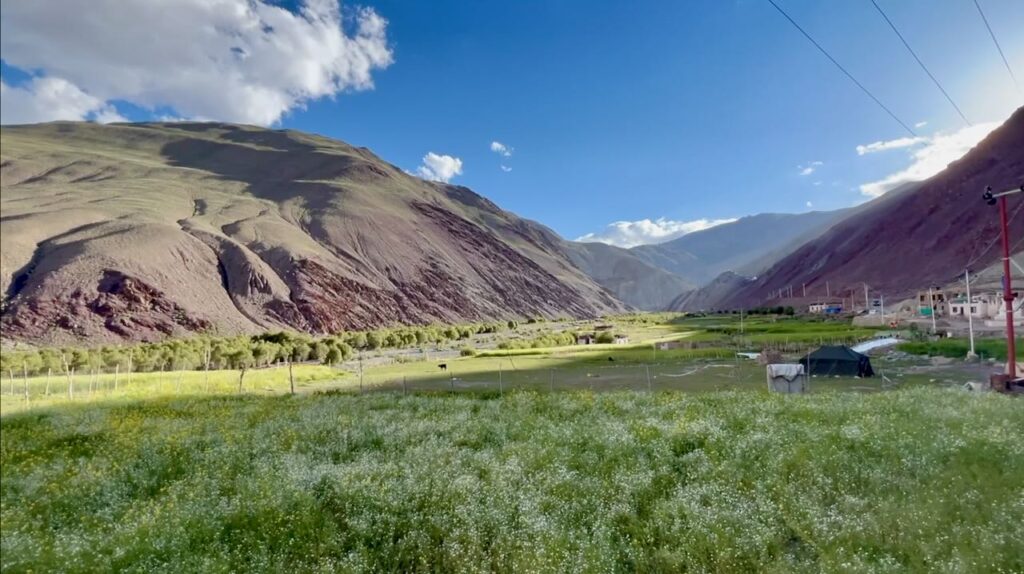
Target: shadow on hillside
282,168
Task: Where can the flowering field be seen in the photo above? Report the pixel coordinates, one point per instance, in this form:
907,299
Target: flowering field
921,479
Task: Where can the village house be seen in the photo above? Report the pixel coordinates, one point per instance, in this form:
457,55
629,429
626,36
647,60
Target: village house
621,340
988,307
983,306
938,305
829,307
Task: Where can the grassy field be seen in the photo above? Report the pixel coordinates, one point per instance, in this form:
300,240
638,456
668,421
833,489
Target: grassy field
920,480
958,347
53,390
703,360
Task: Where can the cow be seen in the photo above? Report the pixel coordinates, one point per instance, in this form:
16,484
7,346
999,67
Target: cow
443,366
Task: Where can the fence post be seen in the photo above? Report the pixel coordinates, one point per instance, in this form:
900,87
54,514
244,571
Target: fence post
551,380
648,370
501,390
405,390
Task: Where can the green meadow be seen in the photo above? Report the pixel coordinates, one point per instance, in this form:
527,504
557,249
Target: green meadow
598,458
919,480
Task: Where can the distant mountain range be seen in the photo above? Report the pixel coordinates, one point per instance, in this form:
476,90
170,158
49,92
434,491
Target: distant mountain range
922,234
142,231
650,277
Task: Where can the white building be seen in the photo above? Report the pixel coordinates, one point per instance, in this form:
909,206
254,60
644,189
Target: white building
983,306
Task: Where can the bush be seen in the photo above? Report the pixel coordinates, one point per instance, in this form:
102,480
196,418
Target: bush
467,352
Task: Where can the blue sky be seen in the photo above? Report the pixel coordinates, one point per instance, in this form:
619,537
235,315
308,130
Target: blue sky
645,110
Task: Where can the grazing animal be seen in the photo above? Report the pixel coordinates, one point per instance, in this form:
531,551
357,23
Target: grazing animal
611,358
443,366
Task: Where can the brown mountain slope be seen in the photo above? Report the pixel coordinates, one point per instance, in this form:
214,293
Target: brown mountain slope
912,238
633,280
145,230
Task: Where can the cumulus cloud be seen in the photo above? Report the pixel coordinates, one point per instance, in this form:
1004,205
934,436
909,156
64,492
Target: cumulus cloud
646,231
897,143
809,205
809,168
46,99
439,167
505,168
501,149
932,155
246,61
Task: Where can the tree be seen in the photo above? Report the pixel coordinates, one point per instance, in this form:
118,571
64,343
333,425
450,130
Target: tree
318,352
373,340
332,356
240,359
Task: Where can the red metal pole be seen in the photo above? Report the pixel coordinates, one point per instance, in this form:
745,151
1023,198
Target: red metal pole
1011,344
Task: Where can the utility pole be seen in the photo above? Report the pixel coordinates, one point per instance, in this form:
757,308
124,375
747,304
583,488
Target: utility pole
805,289
867,303
881,299
1011,350
828,290
931,309
970,315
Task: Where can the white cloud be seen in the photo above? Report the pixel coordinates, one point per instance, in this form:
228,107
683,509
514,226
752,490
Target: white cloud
810,205
920,124
809,168
505,168
439,167
235,60
890,144
934,154
645,231
46,99
502,149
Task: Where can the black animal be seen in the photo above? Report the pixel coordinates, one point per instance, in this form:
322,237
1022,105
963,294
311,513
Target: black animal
611,358
443,366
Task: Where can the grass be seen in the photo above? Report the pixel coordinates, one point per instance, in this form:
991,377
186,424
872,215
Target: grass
957,348
912,480
139,386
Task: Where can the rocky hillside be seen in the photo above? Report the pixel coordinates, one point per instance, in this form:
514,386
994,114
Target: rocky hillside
924,234
633,280
139,231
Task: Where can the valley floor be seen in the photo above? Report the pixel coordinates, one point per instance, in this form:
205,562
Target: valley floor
919,479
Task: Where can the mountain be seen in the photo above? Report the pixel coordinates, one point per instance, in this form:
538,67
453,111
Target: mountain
139,231
630,278
920,235
747,245
709,296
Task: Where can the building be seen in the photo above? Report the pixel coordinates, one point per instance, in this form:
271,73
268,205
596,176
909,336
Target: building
621,340
938,305
982,306
829,308
586,339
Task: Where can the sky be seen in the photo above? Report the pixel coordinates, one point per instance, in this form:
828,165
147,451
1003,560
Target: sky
623,122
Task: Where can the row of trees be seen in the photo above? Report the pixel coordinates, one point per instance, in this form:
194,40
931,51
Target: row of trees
241,352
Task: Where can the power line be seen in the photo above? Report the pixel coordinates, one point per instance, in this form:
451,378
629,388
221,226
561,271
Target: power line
842,69
998,47
985,251
920,63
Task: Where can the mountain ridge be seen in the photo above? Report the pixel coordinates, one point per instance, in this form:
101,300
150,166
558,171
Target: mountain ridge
149,230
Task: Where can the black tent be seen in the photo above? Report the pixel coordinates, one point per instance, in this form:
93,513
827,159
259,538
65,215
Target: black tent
837,360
